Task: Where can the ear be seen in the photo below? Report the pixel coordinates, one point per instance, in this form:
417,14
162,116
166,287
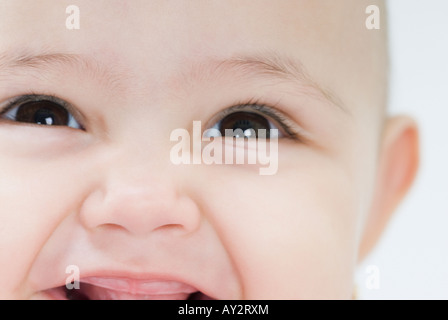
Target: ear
398,164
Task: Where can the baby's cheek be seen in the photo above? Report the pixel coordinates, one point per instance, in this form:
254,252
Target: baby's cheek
292,234
34,200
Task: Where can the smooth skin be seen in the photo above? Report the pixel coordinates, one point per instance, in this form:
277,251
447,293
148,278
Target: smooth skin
107,198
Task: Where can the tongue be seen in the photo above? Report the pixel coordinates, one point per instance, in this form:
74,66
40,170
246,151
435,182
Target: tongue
112,289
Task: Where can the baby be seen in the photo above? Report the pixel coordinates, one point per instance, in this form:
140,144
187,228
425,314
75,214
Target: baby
93,205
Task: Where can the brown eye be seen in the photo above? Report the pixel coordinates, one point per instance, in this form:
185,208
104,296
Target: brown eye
249,124
41,112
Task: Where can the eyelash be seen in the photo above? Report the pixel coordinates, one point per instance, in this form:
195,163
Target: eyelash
35,97
254,106
271,112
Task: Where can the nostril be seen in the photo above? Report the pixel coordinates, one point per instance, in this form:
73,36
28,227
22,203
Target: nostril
112,227
170,227
139,209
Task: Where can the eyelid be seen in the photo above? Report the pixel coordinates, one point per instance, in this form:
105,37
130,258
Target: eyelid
19,100
274,114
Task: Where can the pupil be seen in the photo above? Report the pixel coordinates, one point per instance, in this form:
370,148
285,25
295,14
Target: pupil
248,124
44,116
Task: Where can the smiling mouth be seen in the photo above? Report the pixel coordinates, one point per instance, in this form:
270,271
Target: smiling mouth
122,289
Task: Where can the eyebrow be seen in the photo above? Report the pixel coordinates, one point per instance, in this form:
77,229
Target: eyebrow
56,62
267,65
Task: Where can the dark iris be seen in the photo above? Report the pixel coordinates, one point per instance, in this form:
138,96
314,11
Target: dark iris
43,112
248,122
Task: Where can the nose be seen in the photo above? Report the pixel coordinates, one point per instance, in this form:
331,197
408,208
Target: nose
140,202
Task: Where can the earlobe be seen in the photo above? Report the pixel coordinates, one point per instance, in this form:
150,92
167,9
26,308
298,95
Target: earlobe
398,165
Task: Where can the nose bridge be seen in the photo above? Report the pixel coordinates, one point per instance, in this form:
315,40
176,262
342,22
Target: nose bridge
135,170
132,171
138,191
138,194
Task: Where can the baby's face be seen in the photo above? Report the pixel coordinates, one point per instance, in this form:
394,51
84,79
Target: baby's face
100,191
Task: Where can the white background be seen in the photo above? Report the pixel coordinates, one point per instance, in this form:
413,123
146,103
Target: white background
412,257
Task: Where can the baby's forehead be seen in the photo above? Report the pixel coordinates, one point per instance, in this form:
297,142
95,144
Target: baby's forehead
321,44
